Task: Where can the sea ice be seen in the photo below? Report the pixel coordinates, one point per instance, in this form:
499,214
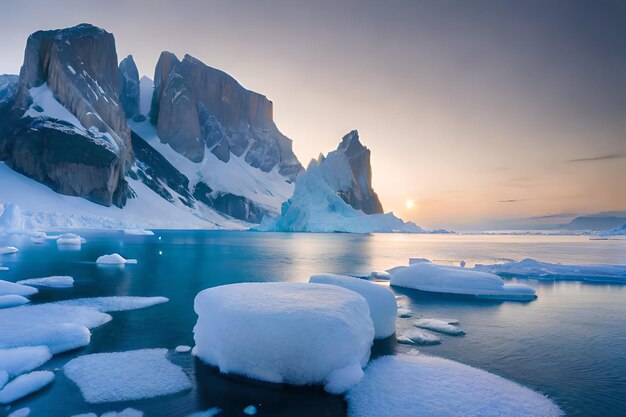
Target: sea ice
126,376
211,412
11,288
420,385
418,337
53,282
24,385
22,412
115,303
381,301
384,275
249,410
114,259
292,333
5,250
19,360
182,349
70,239
531,268
12,300
426,276
439,326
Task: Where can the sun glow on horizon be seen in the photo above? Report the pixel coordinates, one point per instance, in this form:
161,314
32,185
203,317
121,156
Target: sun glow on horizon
410,204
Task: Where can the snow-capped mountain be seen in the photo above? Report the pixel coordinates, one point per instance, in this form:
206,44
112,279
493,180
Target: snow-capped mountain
86,143
335,195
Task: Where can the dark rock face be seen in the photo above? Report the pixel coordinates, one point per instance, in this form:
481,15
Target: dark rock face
195,106
79,66
233,205
360,194
129,87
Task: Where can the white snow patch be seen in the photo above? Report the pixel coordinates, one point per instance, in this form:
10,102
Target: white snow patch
439,326
114,259
284,332
25,385
126,376
19,360
531,268
426,276
12,300
53,282
11,288
381,301
420,385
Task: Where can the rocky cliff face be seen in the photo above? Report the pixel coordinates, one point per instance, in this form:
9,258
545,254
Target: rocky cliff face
129,86
198,108
68,127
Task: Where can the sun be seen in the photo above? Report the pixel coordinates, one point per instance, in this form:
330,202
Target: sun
410,204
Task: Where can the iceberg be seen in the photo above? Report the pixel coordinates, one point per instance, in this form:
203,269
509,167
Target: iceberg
12,300
52,282
421,385
125,376
295,333
531,268
11,288
25,385
427,276
381,301
114,259
439,326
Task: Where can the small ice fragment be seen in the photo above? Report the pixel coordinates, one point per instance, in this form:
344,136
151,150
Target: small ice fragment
22,412
114,259
70,239
251,410
182,349
11,288
5,250
211,412
139,232
438,326
12,300
418,337
52,282
24,385
380,275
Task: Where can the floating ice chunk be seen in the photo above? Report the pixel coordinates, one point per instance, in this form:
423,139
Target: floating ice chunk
19,360
380,275
531,268
439,326
139,232
426,276
12,300
116,303
70,239
251,410
211,412
420,385
11,288
126,376
419,337
114,259
25,385
22,412
53,282
60,327
5,250
183,349
3,268
283,332
381,301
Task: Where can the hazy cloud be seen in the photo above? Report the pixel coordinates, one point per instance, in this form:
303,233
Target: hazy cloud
511,201
616,155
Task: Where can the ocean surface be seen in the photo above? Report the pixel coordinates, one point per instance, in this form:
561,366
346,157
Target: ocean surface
569,344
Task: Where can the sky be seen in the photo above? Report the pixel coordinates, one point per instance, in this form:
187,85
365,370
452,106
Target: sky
476,111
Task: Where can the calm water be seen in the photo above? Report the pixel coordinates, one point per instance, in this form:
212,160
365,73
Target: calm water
569,344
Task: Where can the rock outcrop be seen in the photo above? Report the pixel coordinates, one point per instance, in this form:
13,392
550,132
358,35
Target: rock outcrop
129,87
196,107
68,127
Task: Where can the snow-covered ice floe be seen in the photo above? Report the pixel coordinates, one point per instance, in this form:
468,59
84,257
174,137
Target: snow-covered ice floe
126,376
11,288
52,282
12,300
19,360
114,259
418,337
25,385
531,268
292,333
439,326
381,301
427,276
7,250
420,385
70,239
